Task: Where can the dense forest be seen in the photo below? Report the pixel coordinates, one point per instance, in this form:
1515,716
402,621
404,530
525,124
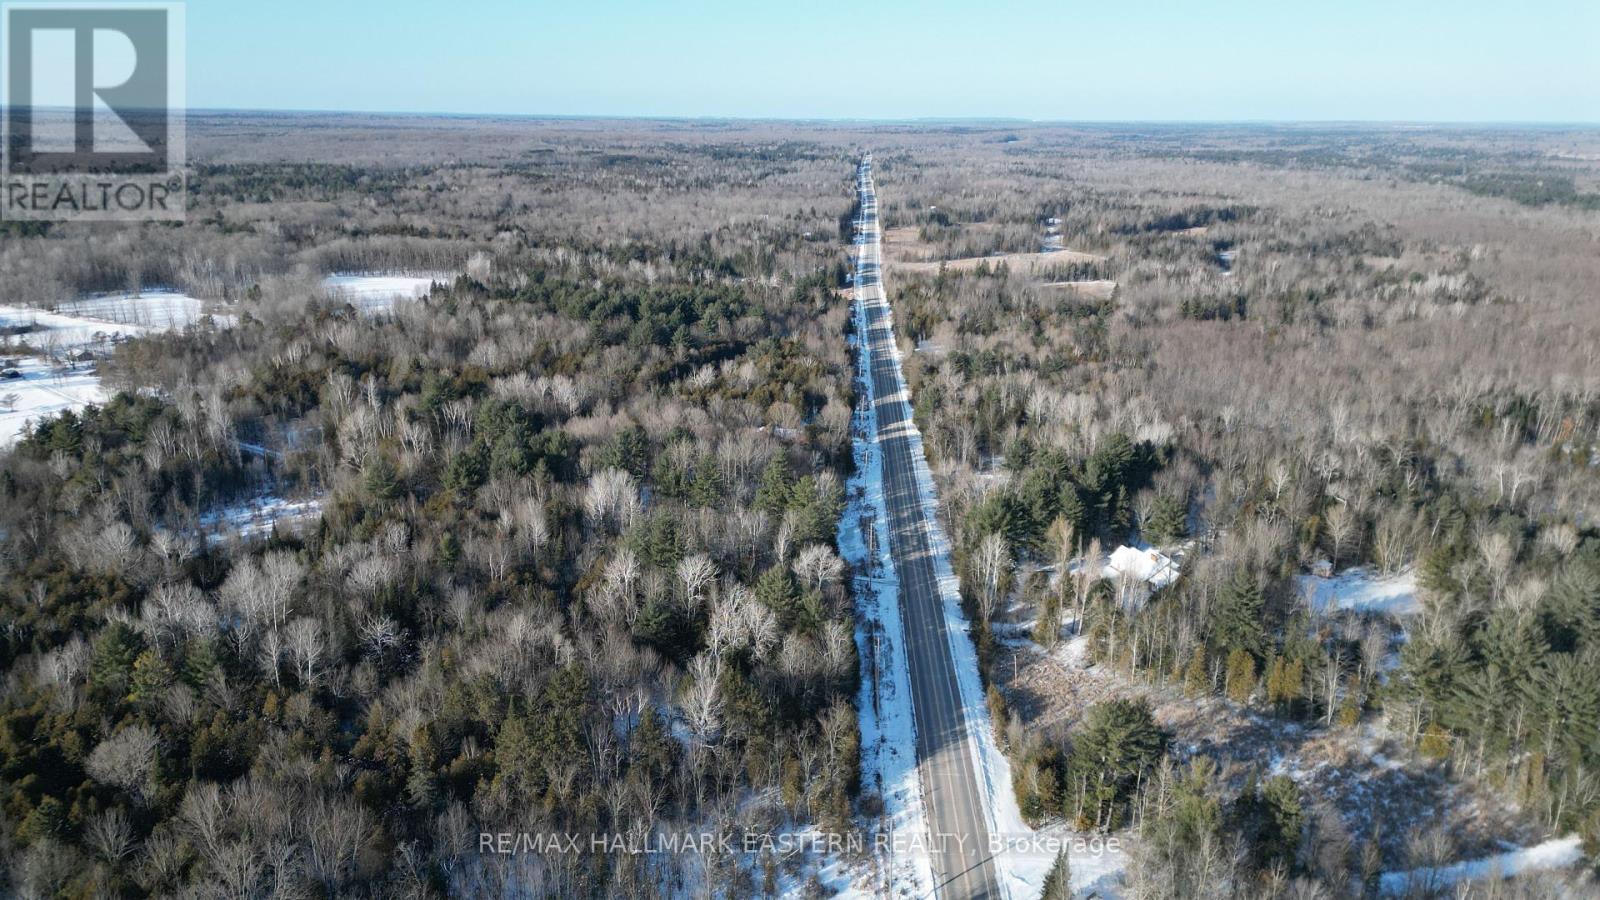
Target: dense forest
1267,362
571,563
574,569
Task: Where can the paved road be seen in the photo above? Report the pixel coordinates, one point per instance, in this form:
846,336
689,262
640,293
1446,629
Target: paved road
952,795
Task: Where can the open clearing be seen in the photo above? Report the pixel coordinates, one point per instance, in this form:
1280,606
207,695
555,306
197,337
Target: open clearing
49,353
158,309
374,294
1024,263
38,389
904,249
1361,589
1091,290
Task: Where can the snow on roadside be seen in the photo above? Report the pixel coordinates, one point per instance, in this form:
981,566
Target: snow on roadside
1022,863
1360,589
376,294
1553,854
888,731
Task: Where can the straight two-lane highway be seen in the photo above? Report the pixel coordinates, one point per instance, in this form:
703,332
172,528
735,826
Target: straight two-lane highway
952,794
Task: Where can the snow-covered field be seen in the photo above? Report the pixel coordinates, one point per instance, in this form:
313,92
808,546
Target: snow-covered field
44,390
375,294
1361,589
88,326
157,310
93,324
61,332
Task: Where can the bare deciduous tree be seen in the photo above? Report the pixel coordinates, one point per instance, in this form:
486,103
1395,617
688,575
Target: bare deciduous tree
125,759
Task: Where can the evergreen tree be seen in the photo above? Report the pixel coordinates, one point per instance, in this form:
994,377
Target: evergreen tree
1285,682
422,784
1240,682
628,451
1004,513
1119,744
1570,612
670,478
651,749
1564,696
816,515
660,626
466,471
1073,508
200,663
778,589
1168,522
1236,621
151,677
772,496
1058,881
112,657
1272,820
707,488
1479,704
1513,642
379,479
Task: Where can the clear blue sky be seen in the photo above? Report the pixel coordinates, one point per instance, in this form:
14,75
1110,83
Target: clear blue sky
1417,60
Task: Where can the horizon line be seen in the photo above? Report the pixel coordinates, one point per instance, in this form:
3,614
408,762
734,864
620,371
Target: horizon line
884,120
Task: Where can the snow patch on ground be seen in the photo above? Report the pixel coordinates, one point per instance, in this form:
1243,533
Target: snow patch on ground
375,294
1361,589
1553,854
257,517
888,732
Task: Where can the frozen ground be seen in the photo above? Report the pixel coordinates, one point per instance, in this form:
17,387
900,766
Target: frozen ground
373,294
256,518
1360,589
